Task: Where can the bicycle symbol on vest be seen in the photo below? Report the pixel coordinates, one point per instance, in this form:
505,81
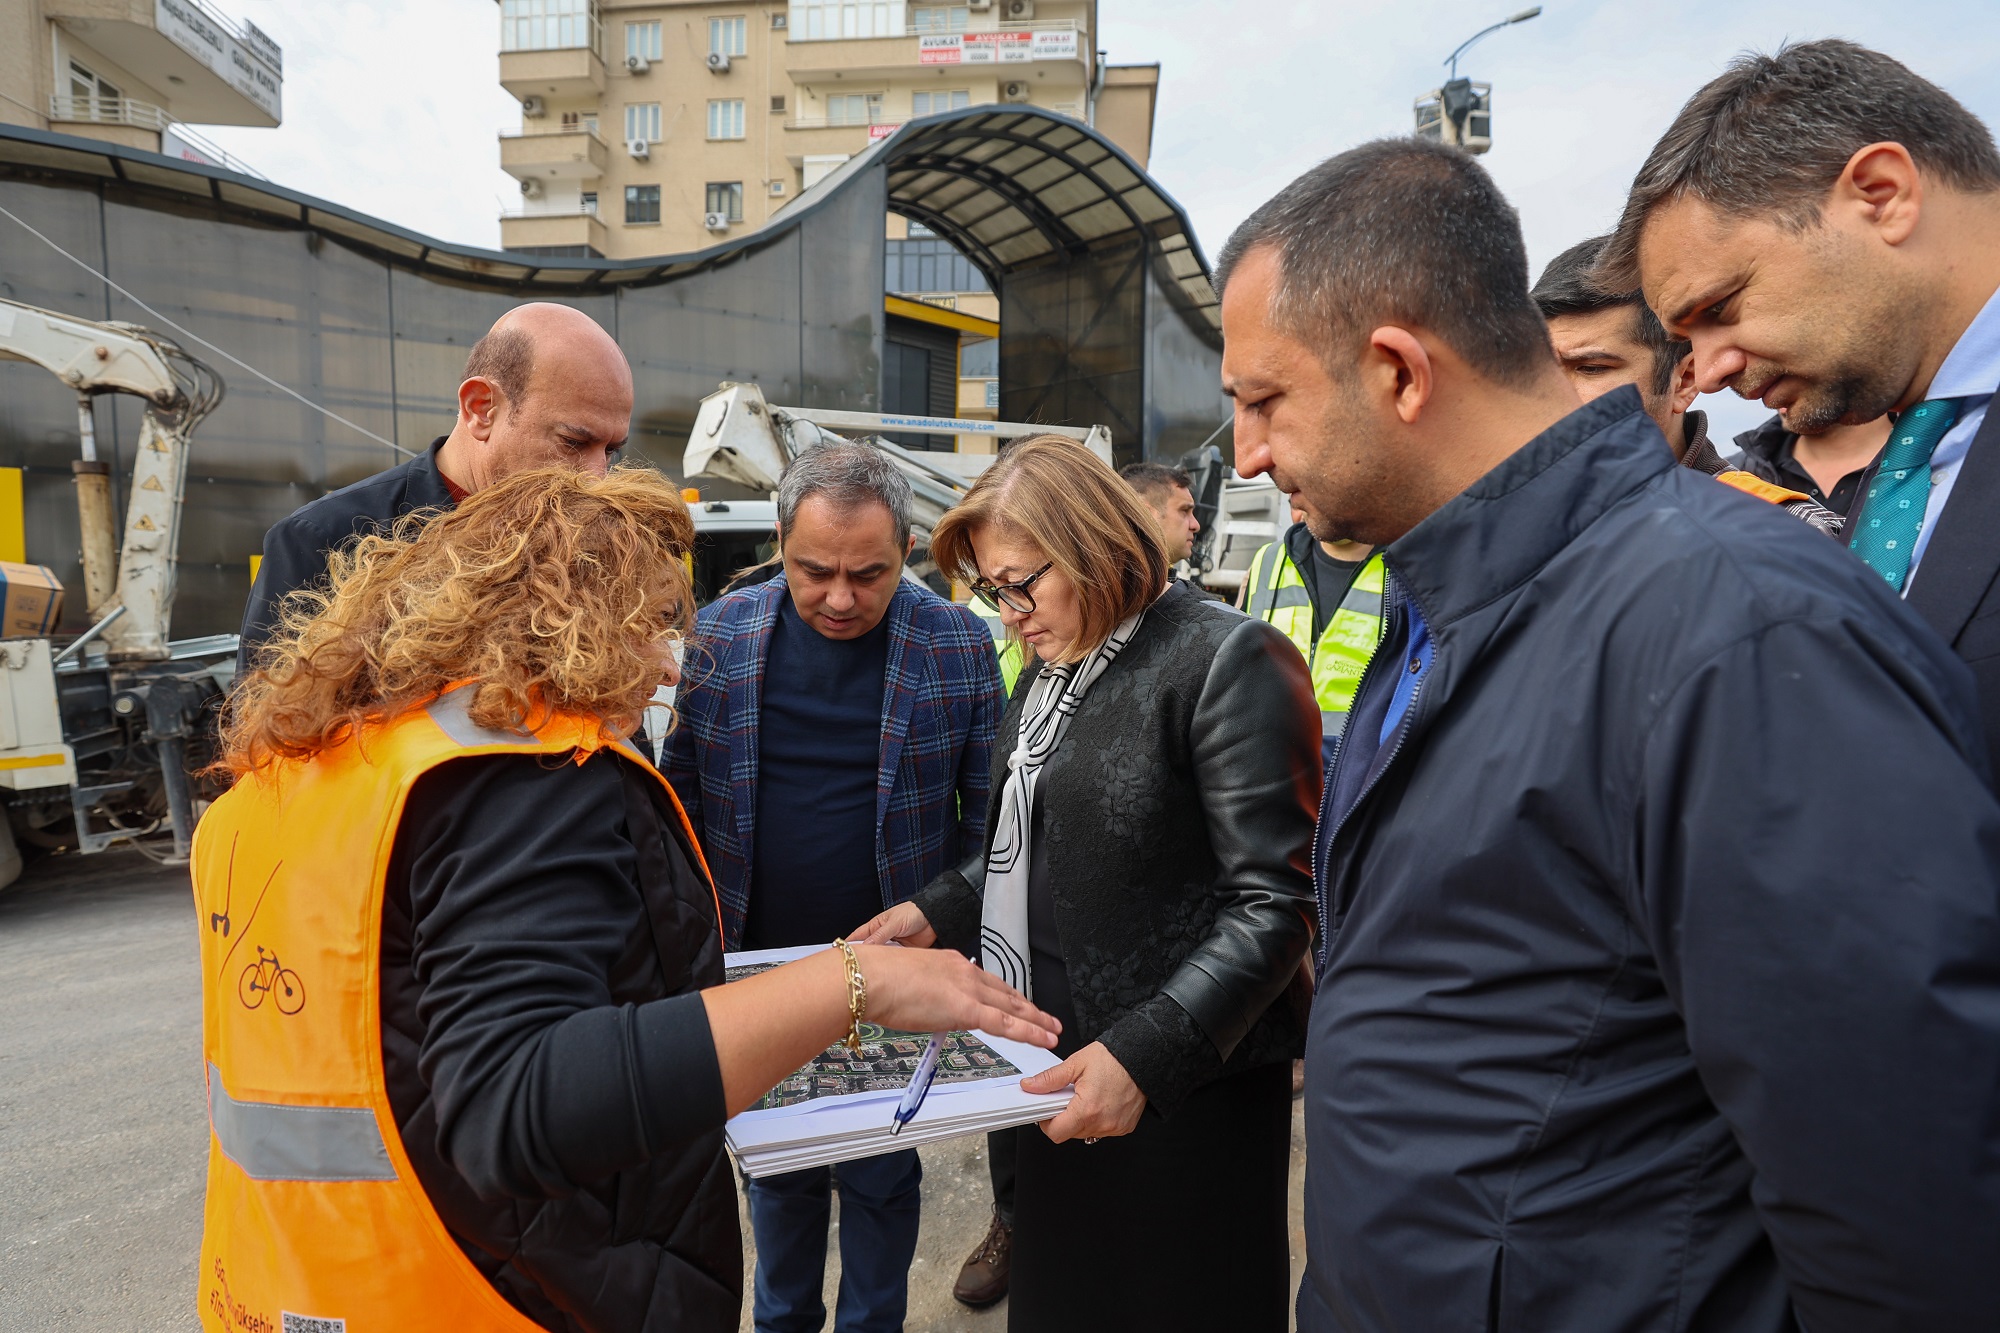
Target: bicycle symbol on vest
267,976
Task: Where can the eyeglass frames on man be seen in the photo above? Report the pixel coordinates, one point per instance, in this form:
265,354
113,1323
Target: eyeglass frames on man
1016,595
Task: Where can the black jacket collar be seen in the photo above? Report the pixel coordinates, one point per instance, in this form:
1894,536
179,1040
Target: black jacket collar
426,486
1501,530
1766,442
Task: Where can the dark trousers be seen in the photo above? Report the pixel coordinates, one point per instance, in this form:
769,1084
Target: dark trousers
879,1199
1000,1152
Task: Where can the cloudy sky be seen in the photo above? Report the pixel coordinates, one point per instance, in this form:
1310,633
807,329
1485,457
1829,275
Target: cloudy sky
392,108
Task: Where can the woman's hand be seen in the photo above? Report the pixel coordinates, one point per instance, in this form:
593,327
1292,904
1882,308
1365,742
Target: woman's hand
943,991
1107,1101
903,924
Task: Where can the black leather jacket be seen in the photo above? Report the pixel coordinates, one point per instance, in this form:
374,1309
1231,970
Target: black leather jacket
1178,812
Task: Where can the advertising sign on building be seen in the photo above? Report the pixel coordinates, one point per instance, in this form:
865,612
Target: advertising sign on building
243,67
996,48
881,131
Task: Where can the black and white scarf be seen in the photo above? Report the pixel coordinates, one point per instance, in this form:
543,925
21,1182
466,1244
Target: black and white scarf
1051,702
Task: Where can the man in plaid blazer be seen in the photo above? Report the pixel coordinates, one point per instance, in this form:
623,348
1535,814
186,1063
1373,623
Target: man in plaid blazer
832,747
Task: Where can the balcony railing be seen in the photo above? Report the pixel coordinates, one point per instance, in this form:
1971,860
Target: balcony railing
553,132
144,116
797,34
548,211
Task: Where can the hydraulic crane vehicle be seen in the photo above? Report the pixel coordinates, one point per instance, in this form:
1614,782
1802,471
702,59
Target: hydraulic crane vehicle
102,741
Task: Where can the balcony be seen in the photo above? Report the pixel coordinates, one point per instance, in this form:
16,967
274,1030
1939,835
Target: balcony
569,153
575,72
220,72
545,230
989,50
161,132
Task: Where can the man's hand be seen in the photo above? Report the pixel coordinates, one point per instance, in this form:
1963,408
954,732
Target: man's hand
903,924
1107,1101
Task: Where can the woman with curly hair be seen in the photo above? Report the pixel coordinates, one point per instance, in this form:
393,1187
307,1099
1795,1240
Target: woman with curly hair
1146,880
469,1051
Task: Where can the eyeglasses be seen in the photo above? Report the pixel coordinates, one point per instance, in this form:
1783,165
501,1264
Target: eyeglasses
1015,595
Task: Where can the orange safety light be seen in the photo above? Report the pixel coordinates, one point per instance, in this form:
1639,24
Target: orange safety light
691,494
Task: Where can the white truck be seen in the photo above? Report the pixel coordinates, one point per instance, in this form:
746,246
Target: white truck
98,741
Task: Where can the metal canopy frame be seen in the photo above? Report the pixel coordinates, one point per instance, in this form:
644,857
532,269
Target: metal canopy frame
1013,187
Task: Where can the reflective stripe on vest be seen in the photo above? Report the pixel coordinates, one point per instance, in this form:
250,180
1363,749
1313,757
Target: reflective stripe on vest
1008,650
313,1209
1337,658
274,1141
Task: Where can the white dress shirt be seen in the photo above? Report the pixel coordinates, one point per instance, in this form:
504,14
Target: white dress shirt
1971,373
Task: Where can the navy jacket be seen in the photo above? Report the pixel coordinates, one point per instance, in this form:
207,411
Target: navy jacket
297,546
1640,1008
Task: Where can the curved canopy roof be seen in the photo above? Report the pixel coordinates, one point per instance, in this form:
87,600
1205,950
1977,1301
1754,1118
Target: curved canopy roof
1012,186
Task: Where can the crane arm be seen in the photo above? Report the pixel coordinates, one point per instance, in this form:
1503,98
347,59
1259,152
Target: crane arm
88,356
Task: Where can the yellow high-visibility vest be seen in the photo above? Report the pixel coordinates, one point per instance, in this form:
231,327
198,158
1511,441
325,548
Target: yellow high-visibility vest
314,1215
1341,652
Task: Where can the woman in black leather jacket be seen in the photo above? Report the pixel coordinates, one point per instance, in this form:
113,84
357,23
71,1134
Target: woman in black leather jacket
1147,880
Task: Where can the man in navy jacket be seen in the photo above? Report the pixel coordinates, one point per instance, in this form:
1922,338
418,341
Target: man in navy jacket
1638,1008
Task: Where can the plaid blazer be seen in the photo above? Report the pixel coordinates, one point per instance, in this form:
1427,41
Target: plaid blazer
941,704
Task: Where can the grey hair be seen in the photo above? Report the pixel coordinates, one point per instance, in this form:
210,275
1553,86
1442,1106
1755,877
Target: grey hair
1404,231
1773,134
847,475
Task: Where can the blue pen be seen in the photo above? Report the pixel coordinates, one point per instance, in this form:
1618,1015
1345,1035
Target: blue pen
920,1084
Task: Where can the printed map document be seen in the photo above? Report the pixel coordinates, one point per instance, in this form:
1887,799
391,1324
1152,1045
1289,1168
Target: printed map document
842,1104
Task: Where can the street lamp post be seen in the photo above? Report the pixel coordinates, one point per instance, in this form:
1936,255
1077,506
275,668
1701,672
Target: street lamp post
1461,111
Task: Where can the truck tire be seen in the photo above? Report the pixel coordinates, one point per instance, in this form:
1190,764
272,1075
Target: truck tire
10,854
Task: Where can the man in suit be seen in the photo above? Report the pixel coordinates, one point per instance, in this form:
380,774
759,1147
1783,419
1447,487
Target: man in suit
546,385
1824,226
833,749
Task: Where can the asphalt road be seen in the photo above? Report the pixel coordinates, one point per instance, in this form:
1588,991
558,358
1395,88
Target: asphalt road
103,1130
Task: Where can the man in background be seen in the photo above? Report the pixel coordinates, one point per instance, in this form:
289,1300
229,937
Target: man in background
1824,226
1605,339
1828,466
1327,598
546,385
833,748
1169,493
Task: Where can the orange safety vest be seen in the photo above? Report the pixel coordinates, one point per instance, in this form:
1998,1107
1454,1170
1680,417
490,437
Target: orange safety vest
315,1222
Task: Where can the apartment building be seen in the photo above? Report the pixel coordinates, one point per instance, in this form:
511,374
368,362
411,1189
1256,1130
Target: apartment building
141,73
651,127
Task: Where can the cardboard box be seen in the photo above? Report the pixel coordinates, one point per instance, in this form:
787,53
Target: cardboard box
31,599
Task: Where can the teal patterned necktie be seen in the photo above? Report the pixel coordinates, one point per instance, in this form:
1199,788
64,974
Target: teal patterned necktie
1892,514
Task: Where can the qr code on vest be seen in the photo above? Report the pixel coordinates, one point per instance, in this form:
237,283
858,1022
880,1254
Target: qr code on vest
305,1323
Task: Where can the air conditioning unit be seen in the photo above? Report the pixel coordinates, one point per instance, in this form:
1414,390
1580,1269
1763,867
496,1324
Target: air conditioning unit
1018,90
718,63
639,148
531,188
979,6
637,64
715,221
532,107
1013,10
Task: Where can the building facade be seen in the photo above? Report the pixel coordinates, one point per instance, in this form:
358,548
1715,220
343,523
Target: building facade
654,127
139,73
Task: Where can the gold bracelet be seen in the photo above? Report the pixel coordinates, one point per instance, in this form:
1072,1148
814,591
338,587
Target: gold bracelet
857,995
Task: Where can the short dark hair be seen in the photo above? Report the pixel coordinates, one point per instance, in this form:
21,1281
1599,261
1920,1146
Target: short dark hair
1568,287
1151,479
507,357
847,474
1772,134
1402,230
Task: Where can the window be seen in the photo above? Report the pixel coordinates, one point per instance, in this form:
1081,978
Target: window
642,203
938,18
642,121
979,359
828,20
94,98
590,202
930,265
725,119
854,109
778,105
725,37
643,40
724,197
548,25
924,104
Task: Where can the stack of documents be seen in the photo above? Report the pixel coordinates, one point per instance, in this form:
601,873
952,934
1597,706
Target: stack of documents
842,1105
